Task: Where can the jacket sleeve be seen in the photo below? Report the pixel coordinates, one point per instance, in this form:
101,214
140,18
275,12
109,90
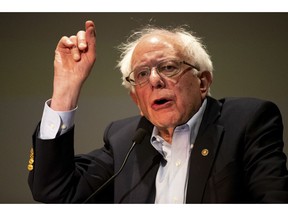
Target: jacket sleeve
58,176
264,159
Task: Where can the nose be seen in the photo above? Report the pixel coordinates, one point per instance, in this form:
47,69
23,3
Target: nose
155,79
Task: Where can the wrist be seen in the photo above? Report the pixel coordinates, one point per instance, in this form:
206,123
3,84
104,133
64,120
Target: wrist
65,100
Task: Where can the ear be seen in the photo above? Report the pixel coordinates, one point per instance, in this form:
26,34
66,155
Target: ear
205,82
135,99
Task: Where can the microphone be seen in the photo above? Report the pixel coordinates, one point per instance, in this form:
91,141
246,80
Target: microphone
138,137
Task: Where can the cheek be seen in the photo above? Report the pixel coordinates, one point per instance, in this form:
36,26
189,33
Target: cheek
188,88
190,95
141,100
142,105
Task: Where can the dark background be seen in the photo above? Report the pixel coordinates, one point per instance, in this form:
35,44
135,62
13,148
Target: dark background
249,52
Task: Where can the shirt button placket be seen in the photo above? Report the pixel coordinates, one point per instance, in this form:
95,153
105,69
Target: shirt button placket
178,163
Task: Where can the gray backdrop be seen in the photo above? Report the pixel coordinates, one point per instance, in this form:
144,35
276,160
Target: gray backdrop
249,51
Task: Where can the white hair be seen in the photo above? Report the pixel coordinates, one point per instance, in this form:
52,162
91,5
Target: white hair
193,49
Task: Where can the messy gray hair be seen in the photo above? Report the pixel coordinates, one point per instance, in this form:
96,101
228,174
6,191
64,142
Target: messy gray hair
193,48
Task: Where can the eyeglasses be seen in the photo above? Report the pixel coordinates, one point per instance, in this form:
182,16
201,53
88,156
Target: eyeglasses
167,68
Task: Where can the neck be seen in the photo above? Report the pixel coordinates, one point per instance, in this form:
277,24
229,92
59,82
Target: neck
166,134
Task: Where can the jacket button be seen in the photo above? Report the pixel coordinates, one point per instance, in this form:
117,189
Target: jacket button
31,160
30,167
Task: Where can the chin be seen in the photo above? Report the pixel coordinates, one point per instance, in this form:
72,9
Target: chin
166,123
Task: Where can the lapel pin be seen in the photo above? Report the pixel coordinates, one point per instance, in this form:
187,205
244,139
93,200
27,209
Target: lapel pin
205,152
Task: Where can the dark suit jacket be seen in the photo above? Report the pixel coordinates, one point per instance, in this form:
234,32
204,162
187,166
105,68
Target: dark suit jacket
245,161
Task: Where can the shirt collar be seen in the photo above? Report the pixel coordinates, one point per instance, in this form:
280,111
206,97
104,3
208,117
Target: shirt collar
193,125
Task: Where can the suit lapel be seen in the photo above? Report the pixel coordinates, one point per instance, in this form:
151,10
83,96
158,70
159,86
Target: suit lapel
204,152
145,163
145,170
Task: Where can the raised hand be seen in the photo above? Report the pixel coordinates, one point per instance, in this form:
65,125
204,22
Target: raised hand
74,59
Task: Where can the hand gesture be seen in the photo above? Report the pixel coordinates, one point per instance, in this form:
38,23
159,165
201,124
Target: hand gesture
74,59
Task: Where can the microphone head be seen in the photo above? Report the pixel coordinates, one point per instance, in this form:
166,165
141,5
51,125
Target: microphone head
139,135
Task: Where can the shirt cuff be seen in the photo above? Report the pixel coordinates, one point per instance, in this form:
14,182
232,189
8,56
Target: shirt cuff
55,123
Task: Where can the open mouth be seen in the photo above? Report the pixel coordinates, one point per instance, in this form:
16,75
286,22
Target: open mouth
161,103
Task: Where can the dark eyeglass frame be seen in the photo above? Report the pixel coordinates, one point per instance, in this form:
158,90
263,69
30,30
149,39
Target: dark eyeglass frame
132,81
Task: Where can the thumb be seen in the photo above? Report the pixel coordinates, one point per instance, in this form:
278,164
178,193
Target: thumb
91,37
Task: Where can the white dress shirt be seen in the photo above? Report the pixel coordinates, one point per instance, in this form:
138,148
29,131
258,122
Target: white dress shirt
172,177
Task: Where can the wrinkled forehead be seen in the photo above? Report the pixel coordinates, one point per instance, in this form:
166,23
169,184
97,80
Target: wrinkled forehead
161,43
